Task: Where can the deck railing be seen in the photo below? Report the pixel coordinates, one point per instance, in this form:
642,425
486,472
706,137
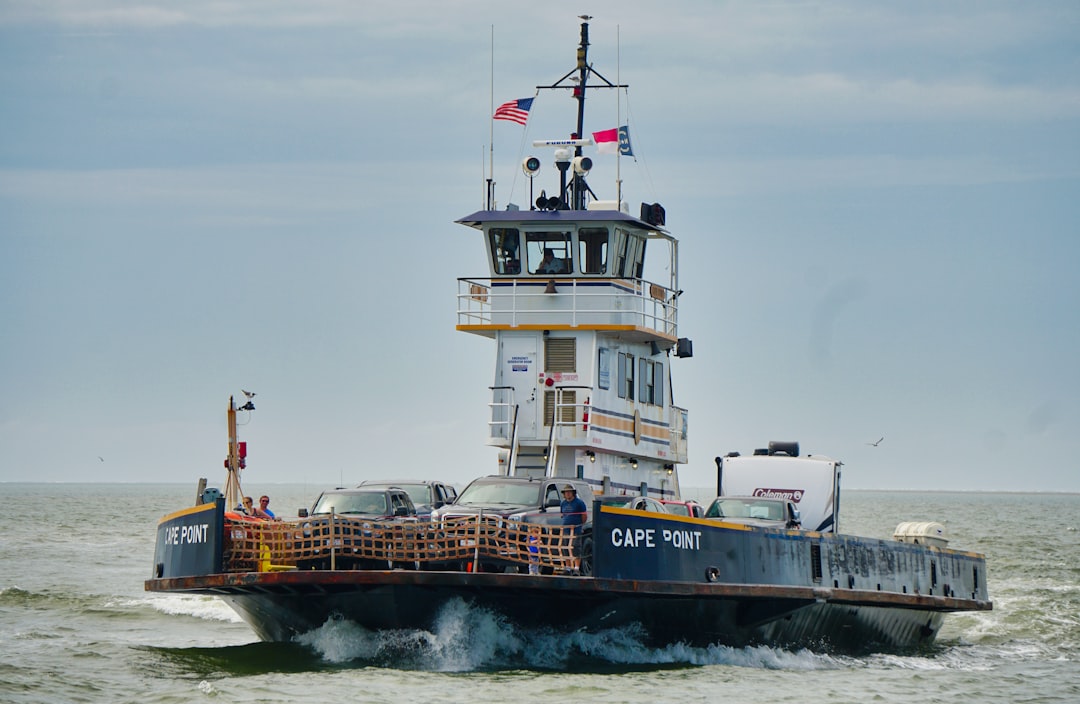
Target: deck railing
347,542
577,302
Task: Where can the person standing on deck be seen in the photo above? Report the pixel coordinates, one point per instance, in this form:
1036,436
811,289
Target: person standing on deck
572,508
573,514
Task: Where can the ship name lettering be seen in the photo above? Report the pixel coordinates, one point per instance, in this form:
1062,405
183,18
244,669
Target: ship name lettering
633,537
684,539
186,535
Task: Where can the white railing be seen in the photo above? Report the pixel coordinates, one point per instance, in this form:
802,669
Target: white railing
501,425
577,302
572,419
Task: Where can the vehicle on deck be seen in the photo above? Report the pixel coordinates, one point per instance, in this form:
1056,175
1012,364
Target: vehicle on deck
755,511
690,509
373,502
426,495
359,520
520,500
638,503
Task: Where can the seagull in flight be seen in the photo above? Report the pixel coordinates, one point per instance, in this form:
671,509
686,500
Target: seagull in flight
248,394
875,444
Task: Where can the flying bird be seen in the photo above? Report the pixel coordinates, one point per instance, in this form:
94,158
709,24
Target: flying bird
101,458
875,444
249,394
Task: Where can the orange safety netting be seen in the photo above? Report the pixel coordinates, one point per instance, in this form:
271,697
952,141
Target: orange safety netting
345,542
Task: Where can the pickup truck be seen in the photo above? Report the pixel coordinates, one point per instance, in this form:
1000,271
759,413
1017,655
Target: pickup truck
524,499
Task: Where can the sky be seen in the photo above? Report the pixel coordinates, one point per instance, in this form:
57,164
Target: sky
878,208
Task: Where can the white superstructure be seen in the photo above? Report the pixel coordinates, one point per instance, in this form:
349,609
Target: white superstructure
583,370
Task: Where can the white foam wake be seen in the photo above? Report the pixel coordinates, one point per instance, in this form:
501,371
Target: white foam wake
466,638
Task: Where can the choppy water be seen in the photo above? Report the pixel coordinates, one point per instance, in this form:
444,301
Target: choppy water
78,627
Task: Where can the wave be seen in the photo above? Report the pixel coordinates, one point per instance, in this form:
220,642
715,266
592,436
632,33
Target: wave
467,638
206,607
49,600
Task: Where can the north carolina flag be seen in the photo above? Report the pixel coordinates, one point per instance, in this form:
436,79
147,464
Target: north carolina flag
515,111
613,141
607,141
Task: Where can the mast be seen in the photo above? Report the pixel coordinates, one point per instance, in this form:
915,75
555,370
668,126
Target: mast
578,84
236,460
232,461
579,186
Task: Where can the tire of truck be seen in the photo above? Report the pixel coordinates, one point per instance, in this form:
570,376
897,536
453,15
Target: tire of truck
586,567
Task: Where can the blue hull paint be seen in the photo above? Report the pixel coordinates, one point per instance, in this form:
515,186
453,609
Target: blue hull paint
679,580
640,546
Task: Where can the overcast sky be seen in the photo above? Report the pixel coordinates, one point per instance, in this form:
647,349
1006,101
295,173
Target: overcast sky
878,206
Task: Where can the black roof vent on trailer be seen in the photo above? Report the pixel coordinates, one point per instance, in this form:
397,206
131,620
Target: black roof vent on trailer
779,447
761,451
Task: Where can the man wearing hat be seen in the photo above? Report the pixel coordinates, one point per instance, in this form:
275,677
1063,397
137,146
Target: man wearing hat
573,514
572,508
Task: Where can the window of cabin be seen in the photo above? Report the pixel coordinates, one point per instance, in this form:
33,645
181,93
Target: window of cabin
593,249
635,257
626,376
561,260
603,377
619,244
629,254
651,382
505,243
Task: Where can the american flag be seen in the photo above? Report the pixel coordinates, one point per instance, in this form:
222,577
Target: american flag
515,111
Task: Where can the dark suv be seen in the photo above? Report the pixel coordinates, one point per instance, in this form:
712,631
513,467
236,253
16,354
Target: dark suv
523,499
426,495
359,522
369,502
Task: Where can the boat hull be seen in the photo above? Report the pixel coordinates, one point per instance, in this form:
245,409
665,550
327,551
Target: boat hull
280,606
678,580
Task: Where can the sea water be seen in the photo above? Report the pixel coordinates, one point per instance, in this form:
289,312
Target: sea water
78,627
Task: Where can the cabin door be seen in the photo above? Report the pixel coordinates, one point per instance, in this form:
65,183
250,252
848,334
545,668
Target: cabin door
518,370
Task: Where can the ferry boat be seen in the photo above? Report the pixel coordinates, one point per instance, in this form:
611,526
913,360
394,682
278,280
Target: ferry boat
581,299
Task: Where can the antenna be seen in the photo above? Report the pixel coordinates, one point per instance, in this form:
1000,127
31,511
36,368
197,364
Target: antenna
490,200
618,115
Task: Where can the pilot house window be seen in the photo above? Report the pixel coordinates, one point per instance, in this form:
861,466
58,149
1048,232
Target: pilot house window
505,250
629,254
593,249
550,252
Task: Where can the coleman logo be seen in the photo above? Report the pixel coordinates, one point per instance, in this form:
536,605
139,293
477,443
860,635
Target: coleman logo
789,494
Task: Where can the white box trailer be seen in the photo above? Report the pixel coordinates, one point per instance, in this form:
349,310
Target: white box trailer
811,482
